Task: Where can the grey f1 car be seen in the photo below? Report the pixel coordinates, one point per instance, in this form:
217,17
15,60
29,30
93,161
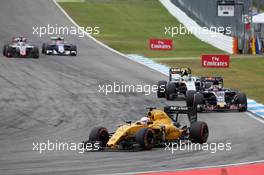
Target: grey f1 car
20,48
214,97
58,46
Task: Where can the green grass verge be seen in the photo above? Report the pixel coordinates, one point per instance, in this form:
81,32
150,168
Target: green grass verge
127,26
71,0
245,74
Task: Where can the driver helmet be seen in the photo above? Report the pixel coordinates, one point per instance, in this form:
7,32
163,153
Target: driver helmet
184,72
216,86
144,120
59,40
20,42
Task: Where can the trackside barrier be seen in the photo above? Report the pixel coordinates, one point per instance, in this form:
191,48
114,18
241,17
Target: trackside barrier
218,40
235,45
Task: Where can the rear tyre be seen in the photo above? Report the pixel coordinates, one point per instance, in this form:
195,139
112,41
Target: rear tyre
198,100
99,134
171,91
242,100
192,114
74,48
162,85
190,98
199,132
4,50
35,53
145,137
49,48
44,48
9,52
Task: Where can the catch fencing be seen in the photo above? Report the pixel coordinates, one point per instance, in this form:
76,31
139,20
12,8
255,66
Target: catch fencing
205,13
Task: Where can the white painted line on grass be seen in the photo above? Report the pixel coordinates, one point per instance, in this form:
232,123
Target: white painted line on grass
87,34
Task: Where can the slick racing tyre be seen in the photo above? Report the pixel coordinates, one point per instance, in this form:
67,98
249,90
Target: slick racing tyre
242,100
190,98
4,50
9,52
35,53
44,48
171,91
74,48
99,134
192,114
199,132
198,100
161,93
145,138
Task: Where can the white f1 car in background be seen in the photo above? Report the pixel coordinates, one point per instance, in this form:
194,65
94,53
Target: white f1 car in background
57,46
20,48
180,82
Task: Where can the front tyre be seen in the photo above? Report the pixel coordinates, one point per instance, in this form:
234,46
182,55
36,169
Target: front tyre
198,100
242,101
171,91
74,51
44,48
162,85
190,98
35,53
99,134
145,137
9,52
4,50
199,132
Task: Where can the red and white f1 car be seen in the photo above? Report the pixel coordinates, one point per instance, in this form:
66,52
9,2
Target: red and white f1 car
20,48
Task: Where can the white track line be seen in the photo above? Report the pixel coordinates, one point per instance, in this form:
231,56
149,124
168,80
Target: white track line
91,37
255,117
98,42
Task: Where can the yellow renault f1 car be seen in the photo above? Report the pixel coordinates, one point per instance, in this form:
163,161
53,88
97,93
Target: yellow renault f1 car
157,128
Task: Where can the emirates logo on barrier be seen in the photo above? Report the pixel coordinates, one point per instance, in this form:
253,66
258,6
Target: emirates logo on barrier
160,44
216,61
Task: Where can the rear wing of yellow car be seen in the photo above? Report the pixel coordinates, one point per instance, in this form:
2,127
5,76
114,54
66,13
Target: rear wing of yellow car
174,111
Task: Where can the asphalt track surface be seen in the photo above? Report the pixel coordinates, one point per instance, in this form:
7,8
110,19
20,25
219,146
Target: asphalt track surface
57,98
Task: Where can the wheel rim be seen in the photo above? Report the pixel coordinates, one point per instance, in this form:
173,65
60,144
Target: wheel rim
149,139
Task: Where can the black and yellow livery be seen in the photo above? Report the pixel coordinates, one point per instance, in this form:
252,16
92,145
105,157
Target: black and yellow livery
162,127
